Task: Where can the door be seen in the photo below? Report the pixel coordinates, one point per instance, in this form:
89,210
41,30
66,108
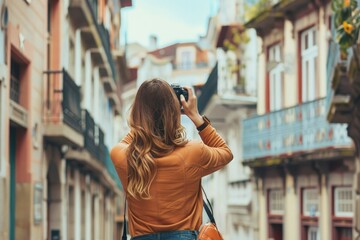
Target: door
276,232
313,233
12,182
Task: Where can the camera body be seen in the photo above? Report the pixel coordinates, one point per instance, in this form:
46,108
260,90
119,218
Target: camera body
180,91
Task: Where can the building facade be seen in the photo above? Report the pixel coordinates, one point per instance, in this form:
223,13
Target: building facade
344,107
60,97
303,167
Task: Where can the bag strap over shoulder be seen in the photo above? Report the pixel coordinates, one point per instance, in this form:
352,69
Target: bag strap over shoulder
208,208
124,236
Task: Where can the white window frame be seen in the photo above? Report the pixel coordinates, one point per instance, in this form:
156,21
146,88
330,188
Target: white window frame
308,199
309,54
275,78
276,201
185,61
348,191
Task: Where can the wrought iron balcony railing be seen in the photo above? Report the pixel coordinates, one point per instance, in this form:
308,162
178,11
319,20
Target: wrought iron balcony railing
63,101
105,39
292,130
104,35
89,133
101,148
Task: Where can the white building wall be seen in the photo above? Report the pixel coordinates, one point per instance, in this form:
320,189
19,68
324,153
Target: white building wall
260,78
149,70
250,59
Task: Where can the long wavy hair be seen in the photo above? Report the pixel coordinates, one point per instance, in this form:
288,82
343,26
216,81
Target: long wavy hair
156,130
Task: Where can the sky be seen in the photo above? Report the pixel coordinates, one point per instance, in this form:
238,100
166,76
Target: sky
170,20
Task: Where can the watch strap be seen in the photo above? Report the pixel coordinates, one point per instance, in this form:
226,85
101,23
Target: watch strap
204,125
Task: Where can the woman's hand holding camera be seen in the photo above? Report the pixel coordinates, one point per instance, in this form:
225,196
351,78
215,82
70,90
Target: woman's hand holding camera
190,107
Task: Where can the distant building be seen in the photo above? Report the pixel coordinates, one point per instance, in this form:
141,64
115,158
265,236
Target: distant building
185,64
303,166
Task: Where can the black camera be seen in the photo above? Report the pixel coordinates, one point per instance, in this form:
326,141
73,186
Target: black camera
180,91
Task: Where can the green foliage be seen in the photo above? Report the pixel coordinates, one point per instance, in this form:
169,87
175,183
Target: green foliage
236,38
254,10
346,22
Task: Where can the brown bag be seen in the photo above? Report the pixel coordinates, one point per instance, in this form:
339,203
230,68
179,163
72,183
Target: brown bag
209,231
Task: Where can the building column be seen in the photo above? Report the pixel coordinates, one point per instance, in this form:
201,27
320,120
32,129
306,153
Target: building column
88,216
96,216
261,193
325,210
86,102
290,60
96,113
77,205
78,57
64,190
261,91
322,52
292,208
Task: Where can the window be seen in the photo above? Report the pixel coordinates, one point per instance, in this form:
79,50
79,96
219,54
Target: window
344,233
186,61
310,202
276,201
343,202
15,82
275,78
309,52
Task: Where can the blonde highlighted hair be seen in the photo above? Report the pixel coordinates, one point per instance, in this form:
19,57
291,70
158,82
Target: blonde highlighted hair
156,131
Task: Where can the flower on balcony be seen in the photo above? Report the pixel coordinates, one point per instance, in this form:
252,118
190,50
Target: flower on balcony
348,28
346,22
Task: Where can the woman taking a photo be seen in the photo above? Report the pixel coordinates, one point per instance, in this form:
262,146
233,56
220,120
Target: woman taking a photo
160,169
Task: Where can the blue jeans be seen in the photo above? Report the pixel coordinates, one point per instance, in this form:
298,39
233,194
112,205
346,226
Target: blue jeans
171,235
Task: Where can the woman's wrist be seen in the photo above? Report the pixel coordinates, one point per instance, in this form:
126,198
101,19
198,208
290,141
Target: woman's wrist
197,120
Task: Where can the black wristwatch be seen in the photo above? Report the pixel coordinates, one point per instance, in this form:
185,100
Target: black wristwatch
206,122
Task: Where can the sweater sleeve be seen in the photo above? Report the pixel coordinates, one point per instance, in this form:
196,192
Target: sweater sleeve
215,153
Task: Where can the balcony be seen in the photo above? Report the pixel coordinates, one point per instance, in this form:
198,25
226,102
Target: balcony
270,14
218,106
265,17
90,137
62,110
84,15
296,133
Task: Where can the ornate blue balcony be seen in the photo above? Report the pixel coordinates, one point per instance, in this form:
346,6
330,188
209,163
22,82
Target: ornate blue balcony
300,133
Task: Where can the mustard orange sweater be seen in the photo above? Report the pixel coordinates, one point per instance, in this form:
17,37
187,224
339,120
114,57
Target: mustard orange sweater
176,199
